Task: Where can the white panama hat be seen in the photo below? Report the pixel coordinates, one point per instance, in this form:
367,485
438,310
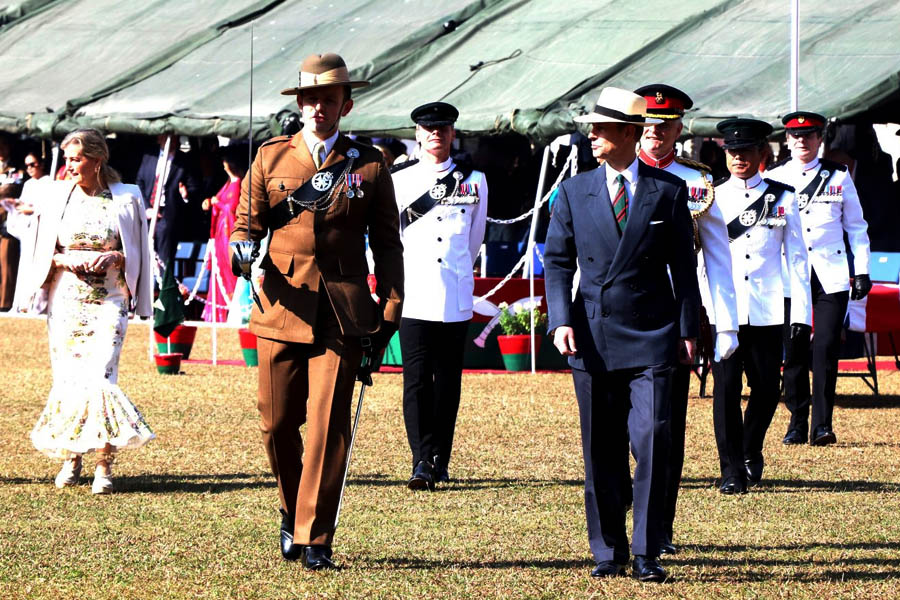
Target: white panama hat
616,105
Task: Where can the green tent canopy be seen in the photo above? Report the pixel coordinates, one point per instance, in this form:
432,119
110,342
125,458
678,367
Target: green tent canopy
523,66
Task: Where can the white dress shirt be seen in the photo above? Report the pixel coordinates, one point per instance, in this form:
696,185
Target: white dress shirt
311,141
825,218
440,247
756,256
631,174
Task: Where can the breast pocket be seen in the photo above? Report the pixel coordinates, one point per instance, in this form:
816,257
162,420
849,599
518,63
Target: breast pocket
278,187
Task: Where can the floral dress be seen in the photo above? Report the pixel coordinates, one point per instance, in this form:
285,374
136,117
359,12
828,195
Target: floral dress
87,316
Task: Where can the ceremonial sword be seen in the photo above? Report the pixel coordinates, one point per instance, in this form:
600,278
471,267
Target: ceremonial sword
365,379
244,252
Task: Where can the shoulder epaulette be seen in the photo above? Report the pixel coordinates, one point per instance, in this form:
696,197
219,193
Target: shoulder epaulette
405,164
780,163
694,164
832,165
779,184
721,180
276,139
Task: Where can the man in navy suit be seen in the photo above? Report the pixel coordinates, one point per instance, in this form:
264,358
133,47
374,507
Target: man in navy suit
627,226
180,208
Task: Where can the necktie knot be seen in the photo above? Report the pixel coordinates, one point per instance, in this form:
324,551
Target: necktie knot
319,154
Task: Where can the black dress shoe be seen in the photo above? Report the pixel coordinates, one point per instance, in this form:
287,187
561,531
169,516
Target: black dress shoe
289,550
733,485
608,568
822,436
422,477
317,558
754,468
667,547
441,475
647,568
794,436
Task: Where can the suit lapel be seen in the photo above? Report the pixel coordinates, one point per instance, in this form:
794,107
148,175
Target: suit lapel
639,211
601,210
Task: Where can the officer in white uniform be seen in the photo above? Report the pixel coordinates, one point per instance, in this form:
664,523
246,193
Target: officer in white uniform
761,217
829,206
713,266
443,212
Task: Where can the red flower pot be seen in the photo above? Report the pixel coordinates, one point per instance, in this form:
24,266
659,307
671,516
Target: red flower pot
516,351
248,347
182,340
168,364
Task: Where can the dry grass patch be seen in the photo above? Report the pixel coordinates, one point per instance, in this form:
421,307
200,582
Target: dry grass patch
196,512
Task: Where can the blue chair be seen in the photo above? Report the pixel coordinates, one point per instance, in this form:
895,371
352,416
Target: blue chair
500,258
198,266
885,267
184,253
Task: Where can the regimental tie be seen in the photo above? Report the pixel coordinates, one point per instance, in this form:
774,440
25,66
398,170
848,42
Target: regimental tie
620,203
318,151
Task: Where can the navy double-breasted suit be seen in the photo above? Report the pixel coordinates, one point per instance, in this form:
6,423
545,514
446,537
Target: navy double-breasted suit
637,296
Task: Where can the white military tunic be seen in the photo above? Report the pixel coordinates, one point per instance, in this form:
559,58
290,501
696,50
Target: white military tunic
756,255
825,218
439,248
714,262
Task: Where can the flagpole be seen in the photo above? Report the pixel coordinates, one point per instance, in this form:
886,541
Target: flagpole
795,53
154,258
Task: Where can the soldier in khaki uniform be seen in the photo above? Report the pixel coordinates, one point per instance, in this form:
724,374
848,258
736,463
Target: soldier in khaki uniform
317,194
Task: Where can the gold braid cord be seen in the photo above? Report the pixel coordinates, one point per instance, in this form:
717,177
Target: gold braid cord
706,203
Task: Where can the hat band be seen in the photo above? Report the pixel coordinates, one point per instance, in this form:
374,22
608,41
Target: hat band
337,76
615,114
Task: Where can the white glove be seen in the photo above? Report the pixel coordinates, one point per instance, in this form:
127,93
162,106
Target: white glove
726,344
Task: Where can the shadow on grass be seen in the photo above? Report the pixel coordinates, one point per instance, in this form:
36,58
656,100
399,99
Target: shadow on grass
197,483
423,563
465,485
867,401
775,486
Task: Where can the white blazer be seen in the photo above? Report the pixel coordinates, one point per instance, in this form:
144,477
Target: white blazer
756,256
439,249
714,262
825,218
132,232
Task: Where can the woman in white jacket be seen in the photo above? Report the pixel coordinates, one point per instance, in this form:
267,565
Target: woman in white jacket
92,255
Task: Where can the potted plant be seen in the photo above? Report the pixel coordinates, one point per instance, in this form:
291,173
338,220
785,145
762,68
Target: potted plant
515,343
180,340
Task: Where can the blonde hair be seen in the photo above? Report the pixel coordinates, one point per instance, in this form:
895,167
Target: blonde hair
93,145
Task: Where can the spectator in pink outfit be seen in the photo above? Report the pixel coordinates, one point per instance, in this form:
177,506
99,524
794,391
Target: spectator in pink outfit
223,207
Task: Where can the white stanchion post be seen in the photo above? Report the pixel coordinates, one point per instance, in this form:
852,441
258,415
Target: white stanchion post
154,262
484,260
213,289
795,53
530,262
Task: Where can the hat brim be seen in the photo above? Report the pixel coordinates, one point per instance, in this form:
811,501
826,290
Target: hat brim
598,118
439,123
741,144
664,116
802,130
296,90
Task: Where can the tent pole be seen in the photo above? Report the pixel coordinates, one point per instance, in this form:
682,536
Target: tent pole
534,222
795,53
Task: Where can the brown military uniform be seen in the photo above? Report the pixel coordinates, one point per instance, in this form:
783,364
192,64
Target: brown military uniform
317,305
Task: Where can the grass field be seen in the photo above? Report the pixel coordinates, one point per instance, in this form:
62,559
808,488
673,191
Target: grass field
195,515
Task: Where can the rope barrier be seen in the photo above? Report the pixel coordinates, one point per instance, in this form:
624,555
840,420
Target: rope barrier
521,263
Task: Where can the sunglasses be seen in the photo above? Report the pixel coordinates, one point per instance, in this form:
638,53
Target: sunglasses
30,165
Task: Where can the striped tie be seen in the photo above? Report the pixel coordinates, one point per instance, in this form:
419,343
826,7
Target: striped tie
620,203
